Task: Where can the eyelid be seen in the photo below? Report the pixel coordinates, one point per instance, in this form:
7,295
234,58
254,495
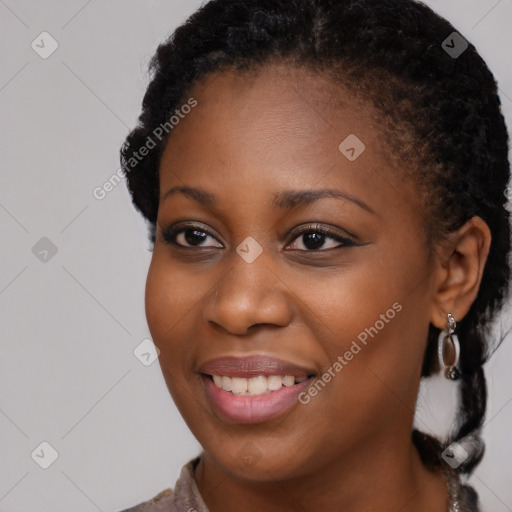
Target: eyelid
336,233
166,232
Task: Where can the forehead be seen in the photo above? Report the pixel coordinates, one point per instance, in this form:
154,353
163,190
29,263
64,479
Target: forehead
272,112
275,81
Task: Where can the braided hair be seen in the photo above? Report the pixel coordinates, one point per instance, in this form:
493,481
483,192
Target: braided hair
441,118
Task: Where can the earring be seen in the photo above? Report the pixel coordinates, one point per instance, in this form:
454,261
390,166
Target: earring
448,348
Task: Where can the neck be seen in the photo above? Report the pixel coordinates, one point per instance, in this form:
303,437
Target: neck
381,475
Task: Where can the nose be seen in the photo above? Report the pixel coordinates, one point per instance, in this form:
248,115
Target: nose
249,294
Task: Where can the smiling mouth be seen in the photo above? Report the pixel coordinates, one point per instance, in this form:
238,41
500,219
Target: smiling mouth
253,399
257,385
253,389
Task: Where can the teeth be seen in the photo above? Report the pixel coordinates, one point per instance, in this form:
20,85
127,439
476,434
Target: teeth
226,383
238,385
275,382
257,385
254,386
289,381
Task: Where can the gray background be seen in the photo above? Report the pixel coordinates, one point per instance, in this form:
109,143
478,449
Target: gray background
69,326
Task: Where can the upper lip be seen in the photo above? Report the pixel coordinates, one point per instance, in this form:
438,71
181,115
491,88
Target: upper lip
252,366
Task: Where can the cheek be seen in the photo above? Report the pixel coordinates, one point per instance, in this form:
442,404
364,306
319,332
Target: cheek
167,301
347,303
174,300
158,300
376,319
167,305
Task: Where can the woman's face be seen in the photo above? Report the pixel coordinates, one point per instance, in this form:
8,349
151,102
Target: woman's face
253,289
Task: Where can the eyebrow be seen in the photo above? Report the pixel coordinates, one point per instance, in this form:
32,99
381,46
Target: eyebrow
285,200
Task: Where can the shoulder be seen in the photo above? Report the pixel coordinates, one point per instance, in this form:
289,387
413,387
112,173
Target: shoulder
161,502
183,498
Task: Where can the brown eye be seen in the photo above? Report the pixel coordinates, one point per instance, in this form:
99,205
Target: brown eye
320,238
188,237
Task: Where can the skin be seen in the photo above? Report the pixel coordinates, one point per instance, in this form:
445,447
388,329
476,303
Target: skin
252,136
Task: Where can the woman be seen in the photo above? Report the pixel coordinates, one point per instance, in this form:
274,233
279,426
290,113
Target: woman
324,183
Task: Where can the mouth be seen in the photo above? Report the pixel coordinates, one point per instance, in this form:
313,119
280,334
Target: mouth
254,389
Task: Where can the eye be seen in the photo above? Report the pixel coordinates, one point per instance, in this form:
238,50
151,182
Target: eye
188,236
313,238
316,237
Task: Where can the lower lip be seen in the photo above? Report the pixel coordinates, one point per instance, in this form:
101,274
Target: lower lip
253,409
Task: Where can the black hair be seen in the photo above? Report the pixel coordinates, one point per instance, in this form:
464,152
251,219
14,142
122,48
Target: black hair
440,112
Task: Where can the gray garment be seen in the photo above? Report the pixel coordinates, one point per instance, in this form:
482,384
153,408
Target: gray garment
186,496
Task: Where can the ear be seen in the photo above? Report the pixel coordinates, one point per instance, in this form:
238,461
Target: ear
459,269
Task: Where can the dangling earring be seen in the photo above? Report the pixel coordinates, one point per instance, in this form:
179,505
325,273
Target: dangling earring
448,347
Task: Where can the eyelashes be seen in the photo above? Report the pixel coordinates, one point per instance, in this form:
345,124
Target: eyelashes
170,236
317,235
313,238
